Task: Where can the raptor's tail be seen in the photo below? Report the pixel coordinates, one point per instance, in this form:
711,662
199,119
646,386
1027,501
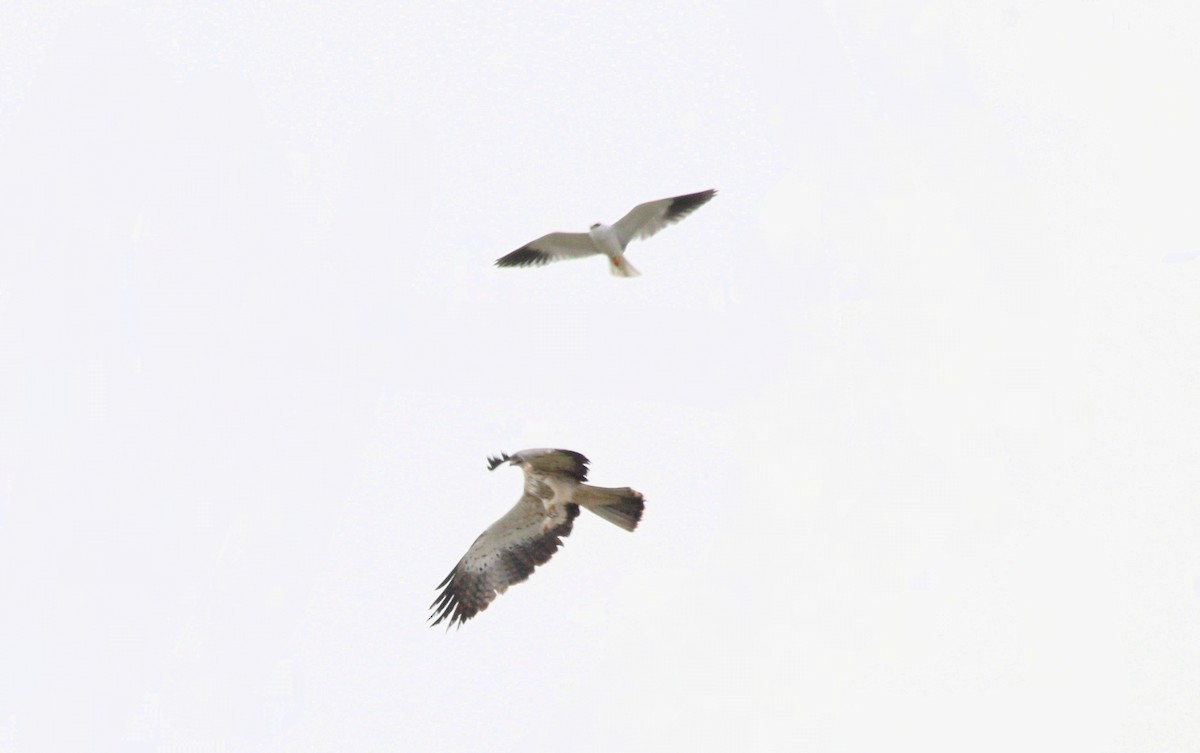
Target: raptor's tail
620,267
622,506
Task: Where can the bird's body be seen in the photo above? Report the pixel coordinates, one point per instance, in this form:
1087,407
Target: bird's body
642,221
606,241
532,531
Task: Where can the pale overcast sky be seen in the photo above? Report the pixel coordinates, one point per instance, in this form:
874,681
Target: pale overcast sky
914,401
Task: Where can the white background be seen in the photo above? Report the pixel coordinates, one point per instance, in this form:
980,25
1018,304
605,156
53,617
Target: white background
913,402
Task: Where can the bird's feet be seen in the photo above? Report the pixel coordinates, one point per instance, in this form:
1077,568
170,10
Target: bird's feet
551,514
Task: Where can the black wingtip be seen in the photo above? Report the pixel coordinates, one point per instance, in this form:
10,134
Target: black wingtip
682,206
494,463
522,257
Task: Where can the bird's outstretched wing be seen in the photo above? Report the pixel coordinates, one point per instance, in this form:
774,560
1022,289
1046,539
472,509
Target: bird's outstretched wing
504,554
550,462
548,248
645,220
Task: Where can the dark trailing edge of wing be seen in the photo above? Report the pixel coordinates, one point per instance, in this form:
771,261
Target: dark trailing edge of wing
466,594
682,206
524,256
580,470
494,463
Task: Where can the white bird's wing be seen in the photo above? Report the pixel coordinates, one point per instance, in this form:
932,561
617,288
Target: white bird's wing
645,220
548,248
504,554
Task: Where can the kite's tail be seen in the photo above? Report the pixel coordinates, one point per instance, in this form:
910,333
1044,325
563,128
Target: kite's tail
622,506
620,267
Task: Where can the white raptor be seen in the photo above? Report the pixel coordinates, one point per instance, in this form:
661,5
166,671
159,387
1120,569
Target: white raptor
643,221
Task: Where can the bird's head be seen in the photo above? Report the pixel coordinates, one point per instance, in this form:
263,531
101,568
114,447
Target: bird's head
494,463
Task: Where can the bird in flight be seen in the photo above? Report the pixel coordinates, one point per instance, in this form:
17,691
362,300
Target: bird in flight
643,221
531,532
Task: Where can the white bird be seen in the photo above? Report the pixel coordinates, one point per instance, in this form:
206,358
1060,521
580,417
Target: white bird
643,221
531,532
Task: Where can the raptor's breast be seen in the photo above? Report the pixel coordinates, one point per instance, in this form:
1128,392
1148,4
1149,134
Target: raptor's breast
606,240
